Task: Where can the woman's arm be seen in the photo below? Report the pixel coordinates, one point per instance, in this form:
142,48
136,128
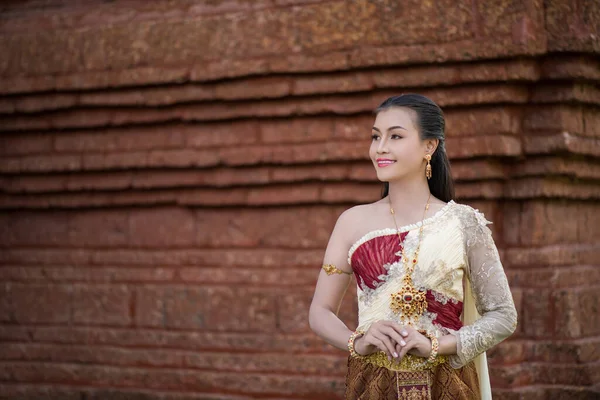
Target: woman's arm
492,295
332,285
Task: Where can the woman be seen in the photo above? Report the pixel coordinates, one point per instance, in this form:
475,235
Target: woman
432,293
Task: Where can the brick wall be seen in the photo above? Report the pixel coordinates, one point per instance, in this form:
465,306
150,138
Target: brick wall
170,172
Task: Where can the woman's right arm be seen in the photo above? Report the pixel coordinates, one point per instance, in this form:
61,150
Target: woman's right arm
332,284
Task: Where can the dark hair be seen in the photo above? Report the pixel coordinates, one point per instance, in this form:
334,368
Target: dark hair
430,123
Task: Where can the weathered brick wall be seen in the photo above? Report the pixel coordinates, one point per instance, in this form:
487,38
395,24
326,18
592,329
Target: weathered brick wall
171,170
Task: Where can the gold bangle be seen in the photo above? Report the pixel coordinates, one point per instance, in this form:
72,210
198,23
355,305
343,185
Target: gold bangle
355,335
331,269
435,345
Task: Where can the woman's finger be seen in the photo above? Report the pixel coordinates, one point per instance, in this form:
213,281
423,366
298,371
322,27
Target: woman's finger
388,344
393,334
405,349
381,346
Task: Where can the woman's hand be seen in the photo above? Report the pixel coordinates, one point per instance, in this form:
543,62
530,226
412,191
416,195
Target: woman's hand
415,343
382,336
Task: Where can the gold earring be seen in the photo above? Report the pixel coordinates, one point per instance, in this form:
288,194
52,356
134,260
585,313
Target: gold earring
428,167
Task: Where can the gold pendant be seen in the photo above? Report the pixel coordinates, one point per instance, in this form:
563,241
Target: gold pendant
409,302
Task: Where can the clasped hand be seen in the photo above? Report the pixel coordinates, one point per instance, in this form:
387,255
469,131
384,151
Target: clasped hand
393,339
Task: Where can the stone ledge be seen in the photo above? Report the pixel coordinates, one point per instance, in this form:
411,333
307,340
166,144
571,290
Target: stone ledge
298,193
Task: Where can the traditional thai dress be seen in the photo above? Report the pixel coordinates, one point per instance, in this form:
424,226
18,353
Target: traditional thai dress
461,279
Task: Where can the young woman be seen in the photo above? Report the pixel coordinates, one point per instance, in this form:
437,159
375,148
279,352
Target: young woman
432,292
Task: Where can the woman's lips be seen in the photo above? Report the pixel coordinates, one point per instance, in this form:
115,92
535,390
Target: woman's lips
385,163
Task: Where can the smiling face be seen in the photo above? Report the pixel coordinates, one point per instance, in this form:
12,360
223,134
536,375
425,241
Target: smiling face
397,151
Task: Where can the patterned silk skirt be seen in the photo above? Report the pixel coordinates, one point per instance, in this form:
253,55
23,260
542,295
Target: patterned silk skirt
366,381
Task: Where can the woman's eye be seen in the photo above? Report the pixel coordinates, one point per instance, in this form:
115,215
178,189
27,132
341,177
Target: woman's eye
375,137
396,137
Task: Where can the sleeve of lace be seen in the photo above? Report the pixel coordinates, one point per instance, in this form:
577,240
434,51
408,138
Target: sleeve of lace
491,293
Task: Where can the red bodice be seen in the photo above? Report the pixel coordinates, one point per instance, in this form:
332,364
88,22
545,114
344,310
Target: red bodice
369,261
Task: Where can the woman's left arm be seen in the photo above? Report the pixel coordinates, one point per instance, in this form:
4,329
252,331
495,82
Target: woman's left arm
491,293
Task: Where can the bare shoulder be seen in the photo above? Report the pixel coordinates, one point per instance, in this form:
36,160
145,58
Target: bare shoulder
354,215
356,220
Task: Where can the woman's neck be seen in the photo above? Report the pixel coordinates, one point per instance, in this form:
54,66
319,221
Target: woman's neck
408,194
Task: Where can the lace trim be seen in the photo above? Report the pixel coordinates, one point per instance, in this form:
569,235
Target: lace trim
492,295
392,231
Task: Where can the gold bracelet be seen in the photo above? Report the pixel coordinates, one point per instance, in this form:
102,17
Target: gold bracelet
355,335
435,345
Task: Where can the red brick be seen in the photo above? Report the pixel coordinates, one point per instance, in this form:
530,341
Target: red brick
98,228
351,193
554,118
182,158
85,274
354,128
556,165
44,256
556,277
478,190
99,181
363,172
507,353
187,308
308,364
334,172
574,67
543,223
114,160
181,379
219,134
520,393
35,183
271,195
222,229
482,121
483,146
549,188
38,228
564,374
577,312
478,170
567,352
296,130
161,227
30,392
559,255
186,340
14,333
512,376
562,142
254,88
565,93
26,144
10,165
214,197
121,139
101,305
41,303
47,163
276,277
538,313
338,83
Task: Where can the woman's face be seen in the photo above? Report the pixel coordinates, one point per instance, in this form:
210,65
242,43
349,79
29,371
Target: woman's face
397,151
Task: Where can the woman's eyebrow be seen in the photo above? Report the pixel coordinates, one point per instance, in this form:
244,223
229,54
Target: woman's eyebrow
391,128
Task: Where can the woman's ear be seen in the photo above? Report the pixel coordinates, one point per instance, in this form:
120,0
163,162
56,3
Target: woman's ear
431,145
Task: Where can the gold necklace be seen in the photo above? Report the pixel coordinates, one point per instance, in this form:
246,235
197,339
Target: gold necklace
409,303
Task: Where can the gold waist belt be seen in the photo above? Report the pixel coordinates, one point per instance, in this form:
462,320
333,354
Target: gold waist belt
408,362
